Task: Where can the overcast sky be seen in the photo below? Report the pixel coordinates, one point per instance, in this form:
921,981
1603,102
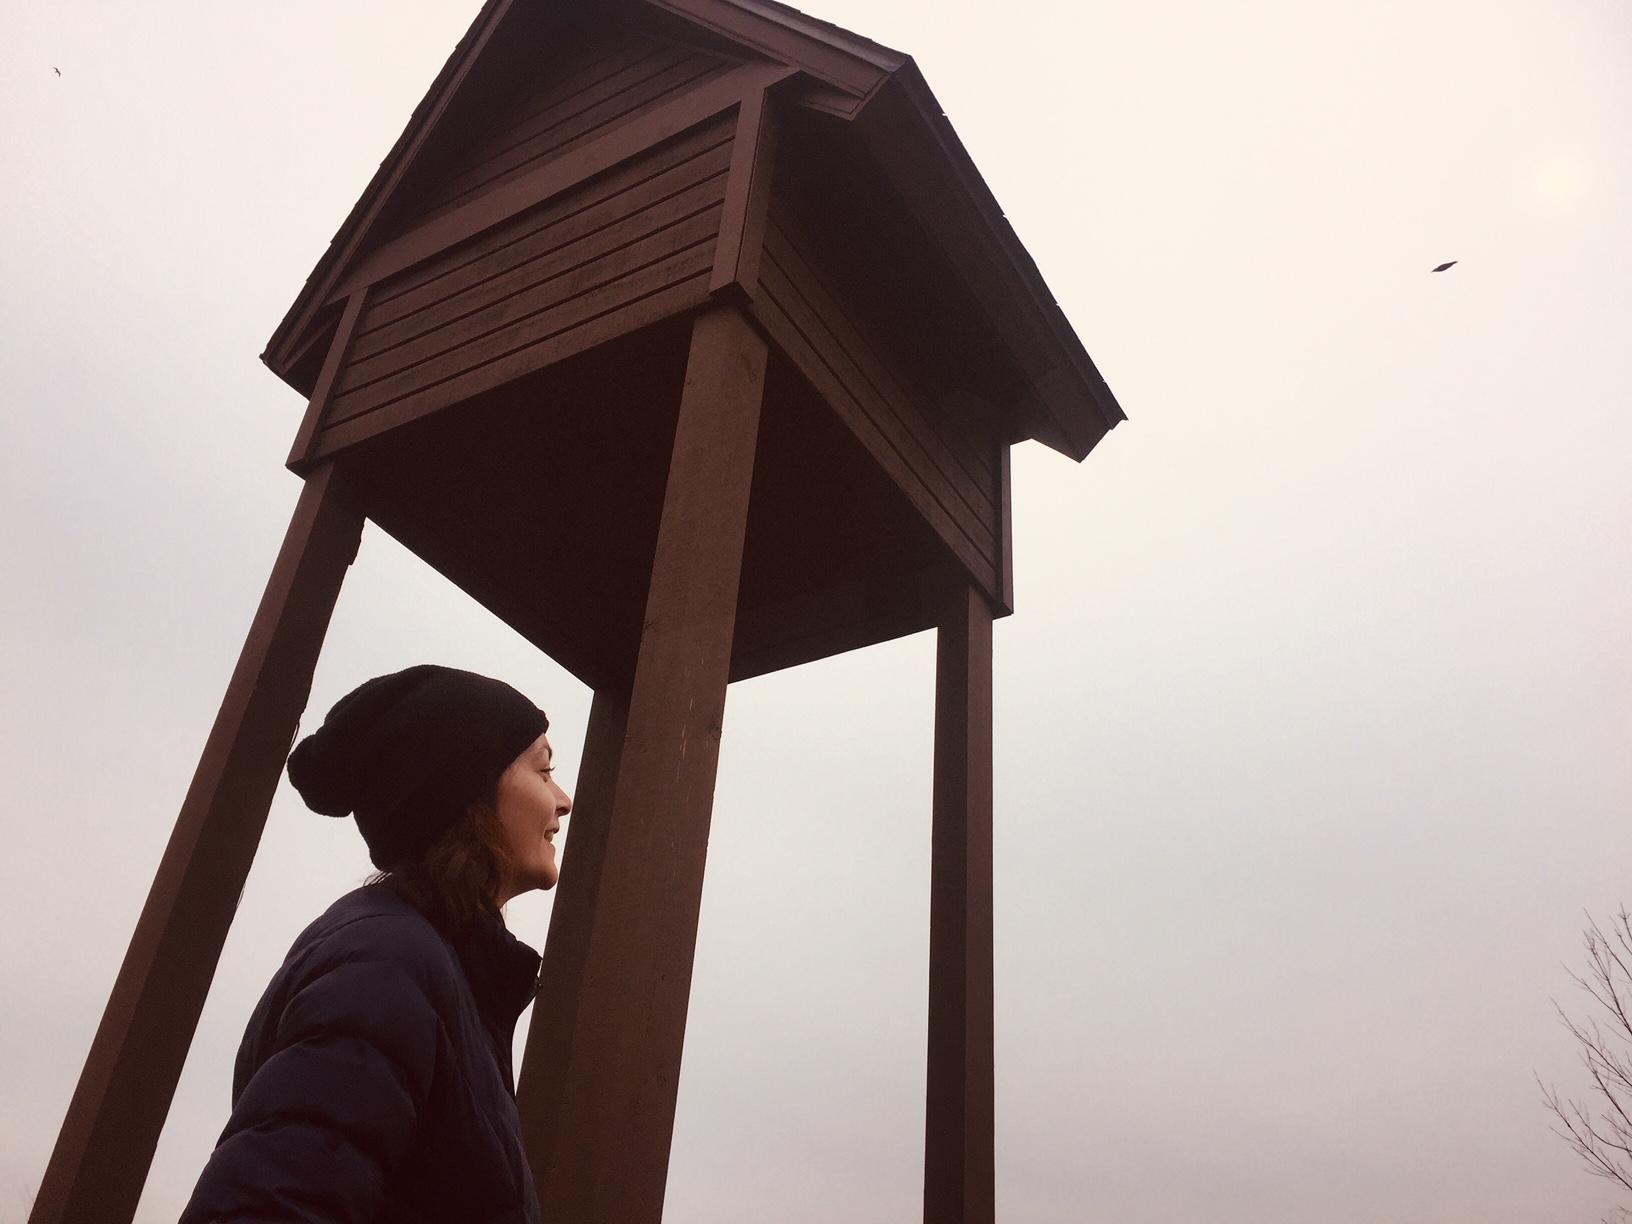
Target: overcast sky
1313,722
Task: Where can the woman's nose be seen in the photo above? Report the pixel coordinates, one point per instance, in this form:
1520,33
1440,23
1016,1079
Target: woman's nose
563,805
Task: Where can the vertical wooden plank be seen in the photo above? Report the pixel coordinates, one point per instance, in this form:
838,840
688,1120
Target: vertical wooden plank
555,1012
107,1139
747,196
1005,536
619,1073
300,454
958,1142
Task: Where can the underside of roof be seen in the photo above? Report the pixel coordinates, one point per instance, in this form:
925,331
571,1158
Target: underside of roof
876,90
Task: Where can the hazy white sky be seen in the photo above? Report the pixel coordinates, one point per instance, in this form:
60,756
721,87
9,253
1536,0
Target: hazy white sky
1313,723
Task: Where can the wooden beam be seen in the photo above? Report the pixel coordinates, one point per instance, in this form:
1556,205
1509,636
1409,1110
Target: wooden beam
618,1080
305,445
958,1138
837,57
560,983
1005,540
747,196
106,1143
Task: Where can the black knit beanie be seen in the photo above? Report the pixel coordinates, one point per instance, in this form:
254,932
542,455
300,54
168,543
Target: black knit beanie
409,752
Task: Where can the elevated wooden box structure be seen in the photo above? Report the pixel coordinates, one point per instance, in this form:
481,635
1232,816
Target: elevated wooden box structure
685,337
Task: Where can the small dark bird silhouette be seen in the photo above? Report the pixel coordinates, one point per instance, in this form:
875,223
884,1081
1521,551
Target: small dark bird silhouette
1443,266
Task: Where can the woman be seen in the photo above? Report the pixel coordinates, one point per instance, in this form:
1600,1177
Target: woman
374,1081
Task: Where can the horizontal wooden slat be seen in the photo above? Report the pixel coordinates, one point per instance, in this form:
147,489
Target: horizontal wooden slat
656,176
970,501
609,52
569,72
792,325
650,129
576,121
522,333
483,286
496,310
624,311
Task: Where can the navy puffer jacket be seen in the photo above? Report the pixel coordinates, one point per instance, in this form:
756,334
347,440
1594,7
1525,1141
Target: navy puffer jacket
374,1083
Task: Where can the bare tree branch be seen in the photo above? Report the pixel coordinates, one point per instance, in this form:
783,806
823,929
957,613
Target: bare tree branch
1599,1128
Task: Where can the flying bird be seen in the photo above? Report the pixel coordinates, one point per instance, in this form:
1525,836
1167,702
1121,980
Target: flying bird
1443,266
58,71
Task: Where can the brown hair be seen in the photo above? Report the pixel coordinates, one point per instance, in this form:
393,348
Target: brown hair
457,881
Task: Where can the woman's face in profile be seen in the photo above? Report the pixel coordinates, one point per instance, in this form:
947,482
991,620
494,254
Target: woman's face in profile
530,808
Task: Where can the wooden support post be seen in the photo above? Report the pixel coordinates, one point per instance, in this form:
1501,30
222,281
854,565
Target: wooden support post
555,1013
958,1144
615,1077
106,1144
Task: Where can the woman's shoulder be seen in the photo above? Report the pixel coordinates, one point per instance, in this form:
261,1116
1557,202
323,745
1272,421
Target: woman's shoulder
373,926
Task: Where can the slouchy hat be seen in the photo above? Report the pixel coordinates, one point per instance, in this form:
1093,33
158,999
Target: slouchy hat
408,753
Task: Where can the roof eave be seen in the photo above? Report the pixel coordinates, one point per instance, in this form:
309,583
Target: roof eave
279,354
1073,394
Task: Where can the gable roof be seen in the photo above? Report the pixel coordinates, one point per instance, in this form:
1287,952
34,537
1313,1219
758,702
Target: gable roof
840,73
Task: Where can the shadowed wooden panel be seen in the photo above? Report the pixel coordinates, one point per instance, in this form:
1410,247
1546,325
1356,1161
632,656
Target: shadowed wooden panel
564,109
813,331
963,451
791,336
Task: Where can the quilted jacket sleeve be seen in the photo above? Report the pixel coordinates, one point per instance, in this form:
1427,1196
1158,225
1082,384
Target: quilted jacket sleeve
332,1108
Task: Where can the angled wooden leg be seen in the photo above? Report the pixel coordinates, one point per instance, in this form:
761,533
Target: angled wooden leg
555,1013
958,1147
107,1140
615,1075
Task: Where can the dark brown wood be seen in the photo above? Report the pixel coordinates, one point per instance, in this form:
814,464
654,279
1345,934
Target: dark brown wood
879,386
627,243
498,317
555,1014
807,335
747,196
958,1141
564,84
900,292
623,310
618,1085
612,104
674,179
815,265
1005,509
466,221
672,284
339,348
107,1139
831,619
835,56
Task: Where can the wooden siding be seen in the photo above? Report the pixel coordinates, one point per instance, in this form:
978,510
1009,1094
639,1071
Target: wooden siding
590,89
624,250
949,470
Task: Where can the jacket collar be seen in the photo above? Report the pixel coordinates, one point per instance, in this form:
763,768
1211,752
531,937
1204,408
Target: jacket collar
502,972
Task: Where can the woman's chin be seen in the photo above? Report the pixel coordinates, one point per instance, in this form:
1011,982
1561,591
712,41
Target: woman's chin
544,876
